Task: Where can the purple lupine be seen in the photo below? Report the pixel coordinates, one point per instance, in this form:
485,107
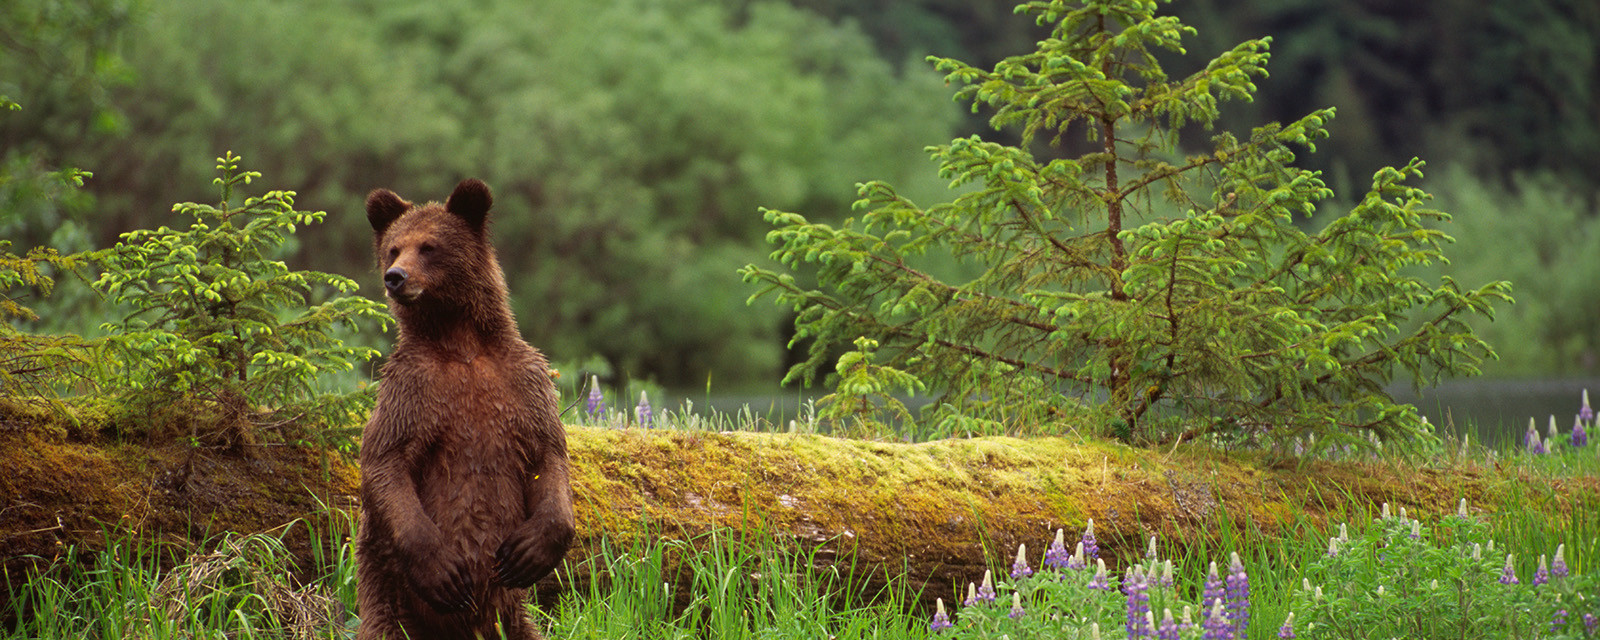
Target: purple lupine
1137,589
1216,624
1100,580
1168,629
986,590
1238,590
1558,621
1558,566
1584,412
1287,630
1019,567
1213,590
972,595
1056,556
1166,580
1076,561
596,403
941,620
1150,552
642,412
1091,549
1542,574
1016,607
1590,621
1508,575
1529,435
1580,437
1538,447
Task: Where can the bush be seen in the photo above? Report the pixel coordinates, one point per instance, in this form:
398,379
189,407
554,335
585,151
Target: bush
1158,294
217,321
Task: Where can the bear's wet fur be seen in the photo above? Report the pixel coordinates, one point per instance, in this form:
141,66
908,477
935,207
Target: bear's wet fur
464,481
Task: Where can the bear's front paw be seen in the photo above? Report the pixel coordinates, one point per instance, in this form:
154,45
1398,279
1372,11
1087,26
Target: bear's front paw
530,553
444,582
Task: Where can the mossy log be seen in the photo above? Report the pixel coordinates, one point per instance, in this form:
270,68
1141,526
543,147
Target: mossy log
936,511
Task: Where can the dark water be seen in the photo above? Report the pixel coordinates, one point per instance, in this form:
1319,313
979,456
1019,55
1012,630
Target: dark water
1494,412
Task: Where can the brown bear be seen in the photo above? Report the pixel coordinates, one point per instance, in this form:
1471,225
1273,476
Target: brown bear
464,492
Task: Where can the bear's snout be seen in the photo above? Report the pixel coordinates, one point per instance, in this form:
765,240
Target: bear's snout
393,279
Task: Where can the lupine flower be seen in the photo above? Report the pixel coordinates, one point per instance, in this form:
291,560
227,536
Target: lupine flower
1136,588
642,412
1168,629
1100,580
1166,580
1287,630
941,620
1238,589
972,595
1016,607
1019,567
1056,556
1384,515
1213,589
1589,619
986,590
1558,567
1551,433
1529,435
1542,574
1344,533
1416,529
1580,437
1077,561
1508,575
596,403
1379,592
1091,549
1477,551
1216,623
1558,621
1538,444
1186,622
1461,508
1584,412
1150,552
1333,546
1094,631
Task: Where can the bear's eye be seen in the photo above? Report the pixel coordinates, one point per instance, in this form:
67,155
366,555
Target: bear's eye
394,252
425,249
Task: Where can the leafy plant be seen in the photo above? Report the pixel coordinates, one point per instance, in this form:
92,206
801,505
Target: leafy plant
216,320
865,390
1164,291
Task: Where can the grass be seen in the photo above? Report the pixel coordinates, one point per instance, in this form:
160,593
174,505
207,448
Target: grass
742,582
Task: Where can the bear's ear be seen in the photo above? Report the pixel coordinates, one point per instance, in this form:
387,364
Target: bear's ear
383,208
470,201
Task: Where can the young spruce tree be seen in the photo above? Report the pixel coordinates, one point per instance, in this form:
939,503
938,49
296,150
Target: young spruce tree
1124,283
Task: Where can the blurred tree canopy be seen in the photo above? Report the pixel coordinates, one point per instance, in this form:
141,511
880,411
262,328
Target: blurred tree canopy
631,142
628,143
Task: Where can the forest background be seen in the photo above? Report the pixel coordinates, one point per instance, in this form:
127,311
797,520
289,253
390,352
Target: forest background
631,143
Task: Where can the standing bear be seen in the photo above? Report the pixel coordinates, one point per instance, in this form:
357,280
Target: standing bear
465,500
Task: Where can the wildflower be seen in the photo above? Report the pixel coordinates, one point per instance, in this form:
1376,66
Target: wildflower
1385,515
642,412
1558,567
1094,631
1580,437
1056,556
1416,529
1213,589
1136,588
986,590
1287,630
1552,432
596,403
1168,629
1542,574
1166,580
1150,552
1091,549
1238,590
1538,446
1076,561
1380,591
1019,567
1508,575
1461,508
972,595
1558,621
941,620
1344,533
1589,619
1100,580
1216,624
1584,412
1016,607
1186,622
1529,435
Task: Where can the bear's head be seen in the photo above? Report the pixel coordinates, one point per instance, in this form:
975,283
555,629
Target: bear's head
436,256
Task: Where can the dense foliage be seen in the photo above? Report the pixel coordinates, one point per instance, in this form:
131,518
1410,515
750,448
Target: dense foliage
1130,279
217,320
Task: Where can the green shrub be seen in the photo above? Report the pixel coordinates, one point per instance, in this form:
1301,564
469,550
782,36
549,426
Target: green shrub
217,321
1164,291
